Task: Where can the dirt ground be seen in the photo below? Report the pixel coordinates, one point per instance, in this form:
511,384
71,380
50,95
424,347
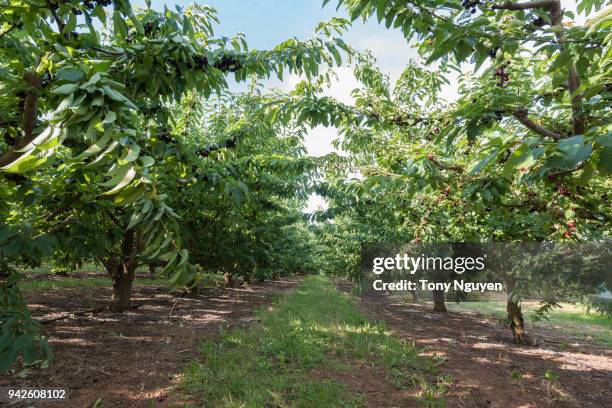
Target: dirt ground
486,369
134,359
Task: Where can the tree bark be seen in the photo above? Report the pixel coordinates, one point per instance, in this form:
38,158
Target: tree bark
30,114
123,279
515,315
228,278
438,298
121,269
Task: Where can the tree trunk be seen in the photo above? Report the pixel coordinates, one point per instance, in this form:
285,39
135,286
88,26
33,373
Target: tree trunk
515,315
121,268
122,275
438,298
122,292
152,269
228,278
232,282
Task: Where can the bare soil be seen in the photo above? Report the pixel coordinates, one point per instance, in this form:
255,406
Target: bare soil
133,359
486,369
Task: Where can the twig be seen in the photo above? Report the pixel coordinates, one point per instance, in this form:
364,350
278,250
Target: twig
568,171
443,166
175,302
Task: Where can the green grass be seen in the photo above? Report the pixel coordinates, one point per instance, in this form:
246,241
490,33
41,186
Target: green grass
89,282
296,354
208,281
571,318
33,281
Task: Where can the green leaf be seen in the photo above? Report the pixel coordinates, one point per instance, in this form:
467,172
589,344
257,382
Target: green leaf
574,150
605,140
50,133
482,164
562,60
521,158
127,178
605,161
110,117
472,131
95,148
132,154
64,89
130,195
71,24
99,12
25,163
69,74
146,161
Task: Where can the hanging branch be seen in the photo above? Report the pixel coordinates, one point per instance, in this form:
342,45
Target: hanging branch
521,115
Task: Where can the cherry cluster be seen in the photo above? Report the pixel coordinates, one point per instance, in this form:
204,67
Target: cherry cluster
539,22
201,61
492,52
228,63
229,144
470,5
503,76
88,4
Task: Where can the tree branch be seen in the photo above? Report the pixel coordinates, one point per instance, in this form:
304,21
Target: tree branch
58,21
30,115
508,5
442,166
521,115
556,16
568,171
58,226
59,211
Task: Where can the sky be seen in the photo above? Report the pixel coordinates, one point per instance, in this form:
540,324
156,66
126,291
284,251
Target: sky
267,23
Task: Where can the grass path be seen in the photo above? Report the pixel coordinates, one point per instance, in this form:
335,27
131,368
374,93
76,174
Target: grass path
311,348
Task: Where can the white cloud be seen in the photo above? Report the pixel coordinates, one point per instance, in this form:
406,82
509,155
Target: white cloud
319,141
343,85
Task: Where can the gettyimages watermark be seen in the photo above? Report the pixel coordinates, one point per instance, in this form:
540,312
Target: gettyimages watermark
422,263
481,272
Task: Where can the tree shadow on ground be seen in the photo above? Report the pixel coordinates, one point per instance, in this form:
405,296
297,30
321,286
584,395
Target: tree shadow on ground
488,370
135,358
